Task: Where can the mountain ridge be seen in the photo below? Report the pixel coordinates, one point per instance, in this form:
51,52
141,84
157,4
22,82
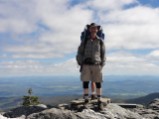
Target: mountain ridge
145,100
12,102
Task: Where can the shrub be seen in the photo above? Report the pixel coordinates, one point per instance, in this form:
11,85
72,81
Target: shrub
29,99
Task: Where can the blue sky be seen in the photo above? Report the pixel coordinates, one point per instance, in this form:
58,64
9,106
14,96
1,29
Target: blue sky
40,37
152,3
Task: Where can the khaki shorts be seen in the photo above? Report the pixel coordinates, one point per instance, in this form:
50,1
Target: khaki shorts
92,73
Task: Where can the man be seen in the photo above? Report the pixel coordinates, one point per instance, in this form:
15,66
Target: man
91,57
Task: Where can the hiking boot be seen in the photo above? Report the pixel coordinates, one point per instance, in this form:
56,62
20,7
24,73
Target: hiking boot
93,97
100,105
85,106
86,101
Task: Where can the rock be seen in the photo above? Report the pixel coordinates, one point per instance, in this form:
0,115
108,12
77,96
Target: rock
121,113
22,117
42,106
146,113
1,113
79,104
77,109
124,105
63,106
152,110
23,110
111,112
154,104
81,101
53,113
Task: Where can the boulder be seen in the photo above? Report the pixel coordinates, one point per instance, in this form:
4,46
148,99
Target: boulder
23,110
77,109
3,117
53,113
79,104
112,111
154,104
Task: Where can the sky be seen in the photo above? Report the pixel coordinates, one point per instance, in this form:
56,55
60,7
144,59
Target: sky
41,37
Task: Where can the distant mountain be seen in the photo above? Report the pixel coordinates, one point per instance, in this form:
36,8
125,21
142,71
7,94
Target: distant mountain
9,102
61,89
6,103
145,100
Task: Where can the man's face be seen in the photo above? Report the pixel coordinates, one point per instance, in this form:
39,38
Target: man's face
93,30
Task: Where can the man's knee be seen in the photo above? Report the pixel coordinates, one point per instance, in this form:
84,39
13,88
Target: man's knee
98,85
85,84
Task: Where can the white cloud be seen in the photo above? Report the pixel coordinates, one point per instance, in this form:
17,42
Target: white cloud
118,63
30,67
132,28
154,53
154,56
65,24
17,17
68,67
122,63
135,28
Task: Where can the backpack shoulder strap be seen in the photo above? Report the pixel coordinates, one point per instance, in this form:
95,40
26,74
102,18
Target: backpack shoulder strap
101,51
84,45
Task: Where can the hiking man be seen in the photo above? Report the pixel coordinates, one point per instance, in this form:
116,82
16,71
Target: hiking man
91,58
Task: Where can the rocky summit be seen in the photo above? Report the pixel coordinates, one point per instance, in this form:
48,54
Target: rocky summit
78,109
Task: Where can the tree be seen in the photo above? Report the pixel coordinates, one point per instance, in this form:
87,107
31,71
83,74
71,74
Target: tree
29,99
